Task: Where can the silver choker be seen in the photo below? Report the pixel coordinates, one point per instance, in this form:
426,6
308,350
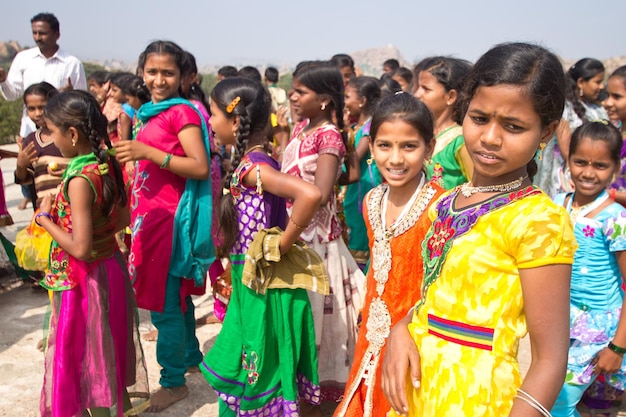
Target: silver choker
468,190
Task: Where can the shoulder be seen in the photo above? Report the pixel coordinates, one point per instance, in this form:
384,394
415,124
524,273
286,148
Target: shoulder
328,136
182,115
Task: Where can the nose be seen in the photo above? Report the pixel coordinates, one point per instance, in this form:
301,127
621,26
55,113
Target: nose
419,93
491,135
396,156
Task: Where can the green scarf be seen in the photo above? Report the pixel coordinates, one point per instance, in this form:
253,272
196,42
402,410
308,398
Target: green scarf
192,244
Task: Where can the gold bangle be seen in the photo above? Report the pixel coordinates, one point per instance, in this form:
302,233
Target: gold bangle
297,225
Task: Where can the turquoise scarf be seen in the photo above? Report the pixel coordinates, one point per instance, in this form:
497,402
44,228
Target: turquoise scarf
192,245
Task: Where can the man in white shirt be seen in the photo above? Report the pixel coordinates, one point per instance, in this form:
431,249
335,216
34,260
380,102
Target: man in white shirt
45,62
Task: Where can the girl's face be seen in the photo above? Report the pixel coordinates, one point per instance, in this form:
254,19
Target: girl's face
305,102
433,94
353,103
223,127
615,103
403,82
35,105
399,151
161,76
63,140
186,81
347,73
115,92
99,91
592,168
502,132
591,88
133,101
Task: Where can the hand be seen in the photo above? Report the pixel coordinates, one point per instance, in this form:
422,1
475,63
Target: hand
3,75
607,361
130,169
58,172
68,86
129,151
281,117
26,156
401,355
46,203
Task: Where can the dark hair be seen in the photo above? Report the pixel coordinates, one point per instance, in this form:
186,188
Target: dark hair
449,72
42,89
165,48
533,68
324,78
599,131
49,18
405,107
100,77
586,68
250,73
271,74
253,108
227,71
388,86
620,72
342,60
367,87
392,63
405,74
80,110
195,91
118,78
133,86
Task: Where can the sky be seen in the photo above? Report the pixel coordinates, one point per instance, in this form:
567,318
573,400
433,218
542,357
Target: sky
284,32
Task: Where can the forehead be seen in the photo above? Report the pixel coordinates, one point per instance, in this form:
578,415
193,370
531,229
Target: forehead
616,84
160,60
40,26
35,100
503,99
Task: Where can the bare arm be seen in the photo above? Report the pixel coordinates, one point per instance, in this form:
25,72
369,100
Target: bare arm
78,243
325,175
563,136
546,304
306,199
195,163
125,126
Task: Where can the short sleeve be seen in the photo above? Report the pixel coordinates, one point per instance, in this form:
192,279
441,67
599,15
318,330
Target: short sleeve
615,232
329,140
540,234
182,115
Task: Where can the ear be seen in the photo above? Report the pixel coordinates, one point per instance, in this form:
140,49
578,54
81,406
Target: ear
452,95
235,123
363,102
73,134
430,147
548,131
580,82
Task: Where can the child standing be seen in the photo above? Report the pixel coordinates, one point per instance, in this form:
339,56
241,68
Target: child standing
362,96
439,82
93,349
271,332
396,215
597,331
615,105
170,213
496,260
314,154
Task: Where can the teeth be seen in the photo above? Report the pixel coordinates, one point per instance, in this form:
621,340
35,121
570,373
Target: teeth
488,156
396,171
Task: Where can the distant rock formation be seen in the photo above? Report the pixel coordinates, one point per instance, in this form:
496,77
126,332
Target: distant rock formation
370,61
8,50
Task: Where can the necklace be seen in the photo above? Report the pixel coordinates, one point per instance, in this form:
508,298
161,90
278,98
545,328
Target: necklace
576,212
253,148
468,190
303,133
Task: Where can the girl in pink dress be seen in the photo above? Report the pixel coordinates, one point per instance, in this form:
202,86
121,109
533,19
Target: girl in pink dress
315,154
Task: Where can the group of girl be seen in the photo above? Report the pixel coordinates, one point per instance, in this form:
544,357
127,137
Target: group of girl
475,267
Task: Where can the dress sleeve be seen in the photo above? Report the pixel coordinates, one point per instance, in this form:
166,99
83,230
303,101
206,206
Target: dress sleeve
614,229
183,115
540,234
329,140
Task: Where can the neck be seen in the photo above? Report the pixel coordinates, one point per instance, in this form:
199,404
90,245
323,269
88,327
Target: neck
443,122
400,196
583,200
362,119
49,52
317,120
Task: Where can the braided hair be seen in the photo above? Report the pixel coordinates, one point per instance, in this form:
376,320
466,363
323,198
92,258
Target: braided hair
80,110
251,102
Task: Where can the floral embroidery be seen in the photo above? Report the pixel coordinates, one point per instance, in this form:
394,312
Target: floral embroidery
442,232
250,366
589,231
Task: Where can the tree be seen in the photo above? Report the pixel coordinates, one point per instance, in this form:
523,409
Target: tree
10,118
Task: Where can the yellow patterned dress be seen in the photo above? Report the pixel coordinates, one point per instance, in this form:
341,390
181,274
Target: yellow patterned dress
469,322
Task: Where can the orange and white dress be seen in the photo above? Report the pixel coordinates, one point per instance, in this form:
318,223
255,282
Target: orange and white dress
468,324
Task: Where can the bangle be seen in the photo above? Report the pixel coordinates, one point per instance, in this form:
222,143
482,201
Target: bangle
297,225
166,161
612,193
43,214
616,348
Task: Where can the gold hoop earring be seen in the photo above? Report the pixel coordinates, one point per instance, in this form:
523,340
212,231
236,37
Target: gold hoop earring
542,146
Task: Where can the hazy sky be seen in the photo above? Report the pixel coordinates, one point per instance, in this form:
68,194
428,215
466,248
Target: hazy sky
283,31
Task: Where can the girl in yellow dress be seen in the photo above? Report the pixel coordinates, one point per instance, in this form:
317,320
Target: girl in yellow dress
497,260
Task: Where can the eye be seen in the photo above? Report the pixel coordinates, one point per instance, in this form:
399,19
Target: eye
513,128
479,120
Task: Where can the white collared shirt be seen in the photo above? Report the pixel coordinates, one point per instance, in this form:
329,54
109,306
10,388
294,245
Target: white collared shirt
30,67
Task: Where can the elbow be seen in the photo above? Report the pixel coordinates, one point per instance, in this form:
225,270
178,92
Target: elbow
83,253
314,196
202,173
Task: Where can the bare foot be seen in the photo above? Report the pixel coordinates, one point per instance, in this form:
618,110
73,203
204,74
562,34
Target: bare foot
208,319
151,336
23,204
193,369
40,346
165,397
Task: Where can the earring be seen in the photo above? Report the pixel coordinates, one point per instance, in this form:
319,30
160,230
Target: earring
323,106
73,142
235,134
542,146
370,160
580,92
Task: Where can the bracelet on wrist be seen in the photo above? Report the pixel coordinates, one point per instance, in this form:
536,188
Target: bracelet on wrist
616,348
297,225
43,214
612,193
166,161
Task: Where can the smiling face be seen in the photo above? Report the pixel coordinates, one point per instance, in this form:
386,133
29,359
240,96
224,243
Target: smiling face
591,88
353,103
115,92
399,151
615,102
161,76
592,169
502,132
35,105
